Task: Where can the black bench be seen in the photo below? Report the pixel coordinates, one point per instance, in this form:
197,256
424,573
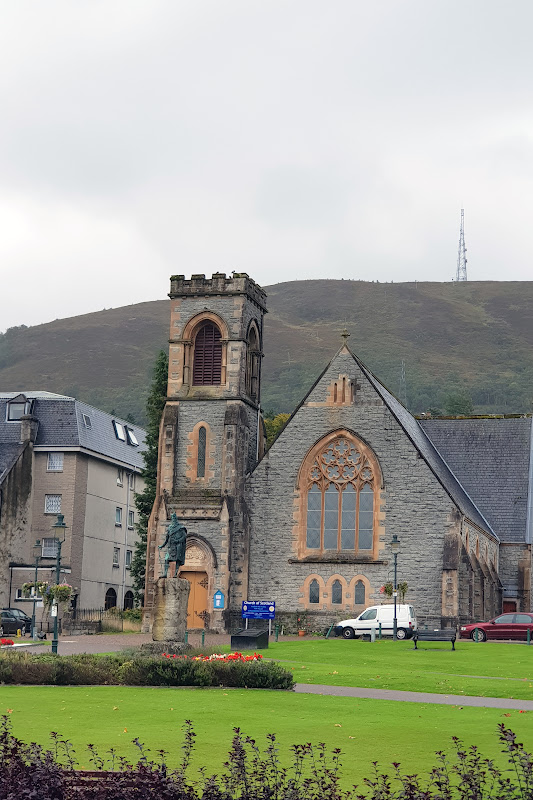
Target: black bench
442,635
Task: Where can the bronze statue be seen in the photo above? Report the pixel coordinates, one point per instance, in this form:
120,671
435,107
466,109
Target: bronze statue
175,541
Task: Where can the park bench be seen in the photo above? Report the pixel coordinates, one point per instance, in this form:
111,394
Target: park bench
441,635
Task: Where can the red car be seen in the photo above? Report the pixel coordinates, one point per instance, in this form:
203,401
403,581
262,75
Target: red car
506,626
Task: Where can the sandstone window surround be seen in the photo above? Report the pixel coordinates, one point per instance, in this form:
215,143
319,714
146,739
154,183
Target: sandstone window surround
253,363
52,504
339,483
335,593
204,341
54,462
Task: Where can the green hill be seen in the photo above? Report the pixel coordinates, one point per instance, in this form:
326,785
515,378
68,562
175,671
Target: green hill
475,337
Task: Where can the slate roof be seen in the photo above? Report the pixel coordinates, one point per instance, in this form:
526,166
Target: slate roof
61,424
492,459
9,454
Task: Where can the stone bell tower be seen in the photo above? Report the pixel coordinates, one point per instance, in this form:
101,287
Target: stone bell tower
210,438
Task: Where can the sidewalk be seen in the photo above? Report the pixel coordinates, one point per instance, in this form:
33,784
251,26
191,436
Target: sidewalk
415,697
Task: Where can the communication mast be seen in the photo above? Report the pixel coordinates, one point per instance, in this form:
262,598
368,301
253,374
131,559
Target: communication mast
461,256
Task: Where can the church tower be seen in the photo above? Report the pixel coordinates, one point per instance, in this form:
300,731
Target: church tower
210,438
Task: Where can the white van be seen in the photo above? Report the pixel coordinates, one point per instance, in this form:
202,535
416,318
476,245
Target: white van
374,616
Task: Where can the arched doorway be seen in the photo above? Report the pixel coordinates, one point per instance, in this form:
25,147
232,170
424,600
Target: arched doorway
198,571
110,599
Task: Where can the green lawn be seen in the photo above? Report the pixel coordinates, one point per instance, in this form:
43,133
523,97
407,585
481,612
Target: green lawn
503,670
365,730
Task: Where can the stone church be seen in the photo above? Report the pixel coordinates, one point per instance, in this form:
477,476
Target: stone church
309,523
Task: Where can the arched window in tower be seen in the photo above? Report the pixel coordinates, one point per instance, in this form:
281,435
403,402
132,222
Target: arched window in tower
340,490
336,593
207,361
202,440
252,364
314,591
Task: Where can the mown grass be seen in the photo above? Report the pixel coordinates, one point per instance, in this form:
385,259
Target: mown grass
490,669
365,730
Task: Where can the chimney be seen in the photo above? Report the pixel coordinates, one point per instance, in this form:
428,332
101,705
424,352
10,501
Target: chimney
29,425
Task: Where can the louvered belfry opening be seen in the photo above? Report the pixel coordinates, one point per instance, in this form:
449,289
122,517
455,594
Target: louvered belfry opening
207,364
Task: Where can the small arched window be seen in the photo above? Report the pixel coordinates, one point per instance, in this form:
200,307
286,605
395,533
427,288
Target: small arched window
207,361
110,599
336,593
314,591
341,498
359,594
202,439
128,601
252,366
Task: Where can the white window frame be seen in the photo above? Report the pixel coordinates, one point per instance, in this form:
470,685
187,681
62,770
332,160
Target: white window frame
129,556
132,439
10,404
49,550
48,503
131,481
119,431
120,476
116,557
118,517
131,520
58,466
86,420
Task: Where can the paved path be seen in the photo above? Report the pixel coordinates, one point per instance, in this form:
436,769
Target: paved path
415,697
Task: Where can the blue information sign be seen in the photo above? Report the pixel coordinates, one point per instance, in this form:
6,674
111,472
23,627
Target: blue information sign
218,599
258,609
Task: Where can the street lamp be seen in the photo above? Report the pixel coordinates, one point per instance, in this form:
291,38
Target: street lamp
59,527
37,551
395,549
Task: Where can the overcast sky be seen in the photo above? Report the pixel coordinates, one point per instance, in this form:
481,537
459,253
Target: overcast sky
289,139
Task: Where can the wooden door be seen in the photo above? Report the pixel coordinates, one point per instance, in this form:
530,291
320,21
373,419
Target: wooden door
509,605
197,606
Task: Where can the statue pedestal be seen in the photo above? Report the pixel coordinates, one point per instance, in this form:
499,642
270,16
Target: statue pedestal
170,610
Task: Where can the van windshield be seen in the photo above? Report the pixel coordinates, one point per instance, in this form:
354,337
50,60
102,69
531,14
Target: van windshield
370,614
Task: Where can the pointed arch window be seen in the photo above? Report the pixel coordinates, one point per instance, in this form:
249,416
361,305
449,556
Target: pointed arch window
314,592
341,499
202,441
359,594
336,593
207,360
253,364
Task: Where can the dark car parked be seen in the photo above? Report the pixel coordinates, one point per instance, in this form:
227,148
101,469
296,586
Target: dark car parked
506,626
11,622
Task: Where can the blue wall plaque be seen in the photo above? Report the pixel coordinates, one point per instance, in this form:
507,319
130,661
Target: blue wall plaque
218,599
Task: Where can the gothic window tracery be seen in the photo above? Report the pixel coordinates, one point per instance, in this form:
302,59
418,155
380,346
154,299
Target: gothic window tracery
341,489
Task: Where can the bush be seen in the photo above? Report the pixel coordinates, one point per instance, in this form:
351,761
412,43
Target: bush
138,670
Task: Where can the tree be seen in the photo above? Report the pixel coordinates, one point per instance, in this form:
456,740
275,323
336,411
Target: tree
274,423
459,403
145,500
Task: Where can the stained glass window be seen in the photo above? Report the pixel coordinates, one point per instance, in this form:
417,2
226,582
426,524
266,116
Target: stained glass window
336,593
314,592
340,498
359,594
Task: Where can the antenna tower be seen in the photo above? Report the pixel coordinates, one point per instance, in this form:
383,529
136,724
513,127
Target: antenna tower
461,256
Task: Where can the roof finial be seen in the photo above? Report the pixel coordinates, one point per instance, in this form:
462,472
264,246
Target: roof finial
345,335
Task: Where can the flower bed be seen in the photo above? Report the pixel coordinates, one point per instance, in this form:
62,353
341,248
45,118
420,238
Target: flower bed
224,657
6,642
233,670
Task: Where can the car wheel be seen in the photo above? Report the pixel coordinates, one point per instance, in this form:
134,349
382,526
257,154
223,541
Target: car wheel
348,633
401,633
482,636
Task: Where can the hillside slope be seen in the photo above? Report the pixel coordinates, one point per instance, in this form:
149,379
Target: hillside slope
476,336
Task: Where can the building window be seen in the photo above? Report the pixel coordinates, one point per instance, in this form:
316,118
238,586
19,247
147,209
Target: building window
207,361
49,547
128,600
202,440
314,592
336,593
118,516
110,599
131,519
55,462
253,364
131,481
120,476
129,554
359,594
119,431
116,556
86,420
132,439
340,504
17,408
52,504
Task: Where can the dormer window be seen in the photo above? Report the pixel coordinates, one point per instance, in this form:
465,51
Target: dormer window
86,420
119,431
17,408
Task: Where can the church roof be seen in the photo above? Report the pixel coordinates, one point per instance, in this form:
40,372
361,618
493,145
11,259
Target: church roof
492,459
9,453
